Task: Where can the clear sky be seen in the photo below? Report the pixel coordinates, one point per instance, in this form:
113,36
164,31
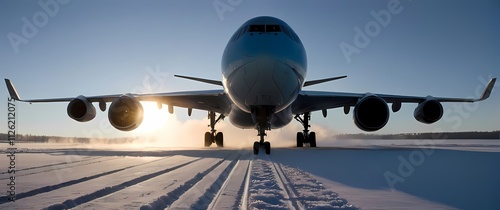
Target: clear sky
440,48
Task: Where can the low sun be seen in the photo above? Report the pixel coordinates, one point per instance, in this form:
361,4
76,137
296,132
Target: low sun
154,118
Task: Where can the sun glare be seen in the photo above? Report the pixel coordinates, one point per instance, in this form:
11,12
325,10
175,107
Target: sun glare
154,118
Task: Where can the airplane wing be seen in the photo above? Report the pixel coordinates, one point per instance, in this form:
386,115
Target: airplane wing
209,100
309,101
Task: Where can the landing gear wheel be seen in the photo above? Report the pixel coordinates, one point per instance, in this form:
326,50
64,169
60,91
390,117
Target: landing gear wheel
300,139
267,147
306,136
219,139
312,139
213,136
208,139
256,147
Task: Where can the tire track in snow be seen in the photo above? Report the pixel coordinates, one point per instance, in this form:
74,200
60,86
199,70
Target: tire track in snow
205,191
248,175
71,203
310,191
285,182
167,200
267,190
235,185
52,165
49,188
56,167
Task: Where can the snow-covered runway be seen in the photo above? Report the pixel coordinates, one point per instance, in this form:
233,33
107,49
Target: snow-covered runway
289,178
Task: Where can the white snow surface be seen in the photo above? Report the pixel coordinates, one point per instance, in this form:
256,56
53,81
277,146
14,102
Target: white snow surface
63,176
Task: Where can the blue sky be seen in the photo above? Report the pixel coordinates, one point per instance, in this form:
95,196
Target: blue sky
439,48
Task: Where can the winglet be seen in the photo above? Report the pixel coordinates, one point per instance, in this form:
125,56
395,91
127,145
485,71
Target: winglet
209,81
487,90
12,90
315,82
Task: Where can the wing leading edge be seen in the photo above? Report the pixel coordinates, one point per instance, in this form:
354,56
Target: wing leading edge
309,101
209,100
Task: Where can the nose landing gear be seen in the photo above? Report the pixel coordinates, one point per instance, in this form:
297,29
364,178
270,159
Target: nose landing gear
261,144
263,116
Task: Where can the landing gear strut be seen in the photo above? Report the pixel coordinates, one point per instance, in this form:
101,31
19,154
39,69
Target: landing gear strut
213,136
263,117
305,136
261,143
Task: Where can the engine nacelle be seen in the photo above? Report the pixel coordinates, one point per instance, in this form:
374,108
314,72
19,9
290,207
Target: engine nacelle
371,113
125,113
81,110
428,111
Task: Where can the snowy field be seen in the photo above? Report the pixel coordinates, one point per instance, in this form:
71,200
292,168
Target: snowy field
378,175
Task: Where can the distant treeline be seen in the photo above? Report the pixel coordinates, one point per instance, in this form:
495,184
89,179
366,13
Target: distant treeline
443,135
58,139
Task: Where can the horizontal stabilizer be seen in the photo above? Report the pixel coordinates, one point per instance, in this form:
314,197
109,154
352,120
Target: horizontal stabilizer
209,81
315,82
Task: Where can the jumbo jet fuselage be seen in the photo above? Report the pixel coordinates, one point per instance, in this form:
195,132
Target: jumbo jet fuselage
263,66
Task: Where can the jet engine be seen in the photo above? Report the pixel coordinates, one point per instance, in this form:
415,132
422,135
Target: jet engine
125,113
428,111
81,110
371,113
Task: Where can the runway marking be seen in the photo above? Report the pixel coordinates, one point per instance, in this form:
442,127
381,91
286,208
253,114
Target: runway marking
108,190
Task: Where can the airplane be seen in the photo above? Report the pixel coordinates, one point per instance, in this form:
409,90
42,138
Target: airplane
264,68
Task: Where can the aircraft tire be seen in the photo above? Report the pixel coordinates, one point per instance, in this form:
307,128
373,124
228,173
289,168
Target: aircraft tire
208,139
256,147
267,146
312,139
219,139
300,139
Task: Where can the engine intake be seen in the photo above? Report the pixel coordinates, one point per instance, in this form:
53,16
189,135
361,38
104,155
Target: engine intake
125,113
428,111
81,110
371,113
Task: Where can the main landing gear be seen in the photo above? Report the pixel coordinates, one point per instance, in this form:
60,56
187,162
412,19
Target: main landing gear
305,136
213,136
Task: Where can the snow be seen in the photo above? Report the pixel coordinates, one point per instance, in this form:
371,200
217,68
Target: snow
383,176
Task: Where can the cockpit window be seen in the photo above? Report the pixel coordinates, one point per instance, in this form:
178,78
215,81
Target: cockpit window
256,28
273,28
